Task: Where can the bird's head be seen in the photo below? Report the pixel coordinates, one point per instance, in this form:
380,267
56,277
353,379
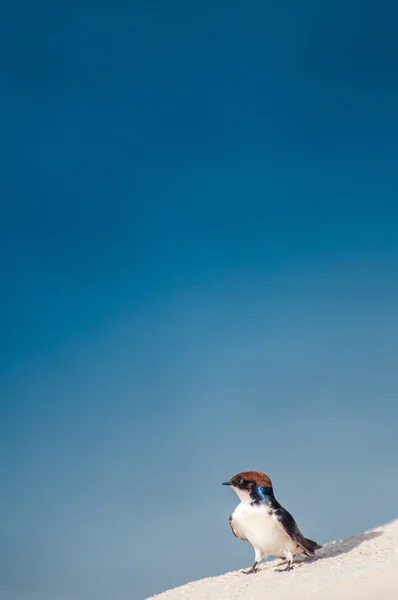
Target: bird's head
251,486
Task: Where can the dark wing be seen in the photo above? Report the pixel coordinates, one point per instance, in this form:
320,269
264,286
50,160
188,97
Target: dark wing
289,525
235,529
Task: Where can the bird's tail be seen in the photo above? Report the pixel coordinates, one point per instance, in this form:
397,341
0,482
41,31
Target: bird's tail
311,546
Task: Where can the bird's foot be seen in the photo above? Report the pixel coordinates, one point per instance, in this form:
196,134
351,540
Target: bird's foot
250,571
287,568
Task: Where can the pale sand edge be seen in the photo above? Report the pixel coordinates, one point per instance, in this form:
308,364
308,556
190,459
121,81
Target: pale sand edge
358,567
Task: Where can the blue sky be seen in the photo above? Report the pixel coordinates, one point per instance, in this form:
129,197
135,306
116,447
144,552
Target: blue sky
199,234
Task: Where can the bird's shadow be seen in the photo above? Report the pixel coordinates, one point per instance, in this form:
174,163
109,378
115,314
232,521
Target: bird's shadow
342,546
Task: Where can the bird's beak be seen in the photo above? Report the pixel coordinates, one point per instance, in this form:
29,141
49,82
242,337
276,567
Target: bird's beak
226,483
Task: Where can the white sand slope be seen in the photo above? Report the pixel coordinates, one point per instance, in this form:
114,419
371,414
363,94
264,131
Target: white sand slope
363,567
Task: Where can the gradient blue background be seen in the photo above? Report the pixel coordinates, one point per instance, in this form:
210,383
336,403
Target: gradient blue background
199,240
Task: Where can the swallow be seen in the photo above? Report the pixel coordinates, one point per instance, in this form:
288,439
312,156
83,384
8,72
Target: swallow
262,521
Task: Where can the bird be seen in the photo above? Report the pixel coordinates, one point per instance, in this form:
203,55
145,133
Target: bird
262,521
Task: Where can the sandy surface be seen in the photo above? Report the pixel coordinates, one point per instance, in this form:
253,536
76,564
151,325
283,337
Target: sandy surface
363,567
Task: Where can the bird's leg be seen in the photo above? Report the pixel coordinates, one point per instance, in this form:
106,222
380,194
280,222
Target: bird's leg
253,569
289,566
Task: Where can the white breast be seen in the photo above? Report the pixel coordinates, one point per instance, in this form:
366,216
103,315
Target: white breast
258,525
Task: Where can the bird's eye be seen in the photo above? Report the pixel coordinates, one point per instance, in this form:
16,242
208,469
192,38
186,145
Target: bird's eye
239,481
